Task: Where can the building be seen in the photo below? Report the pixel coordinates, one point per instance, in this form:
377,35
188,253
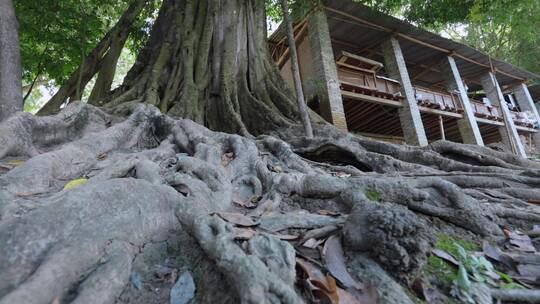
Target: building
379,76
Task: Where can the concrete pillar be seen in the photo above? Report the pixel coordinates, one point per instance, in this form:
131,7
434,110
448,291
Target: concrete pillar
326,86
468,127
509,132
524,99
526,103
409,114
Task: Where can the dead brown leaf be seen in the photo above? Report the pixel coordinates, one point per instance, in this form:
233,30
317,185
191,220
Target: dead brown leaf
227,158
327,212
346,297
319,233
244,233
323,286
445,256
520,241
275,168
102,156
237,219
247,203
183,189
285,237
312,243
342,174
334,259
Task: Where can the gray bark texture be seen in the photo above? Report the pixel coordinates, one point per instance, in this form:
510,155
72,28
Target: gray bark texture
10,62
203,139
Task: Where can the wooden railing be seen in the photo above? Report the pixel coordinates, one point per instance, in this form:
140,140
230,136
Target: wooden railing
364,81
524,119
484,111
438,99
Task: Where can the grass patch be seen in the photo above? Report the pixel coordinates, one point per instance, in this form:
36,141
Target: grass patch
447,243
444,272
372,195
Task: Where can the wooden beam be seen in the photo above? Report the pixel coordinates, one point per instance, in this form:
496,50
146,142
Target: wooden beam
441,128
373,25
439,112
373,99
489,121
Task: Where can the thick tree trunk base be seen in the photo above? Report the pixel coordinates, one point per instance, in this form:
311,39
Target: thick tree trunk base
156,183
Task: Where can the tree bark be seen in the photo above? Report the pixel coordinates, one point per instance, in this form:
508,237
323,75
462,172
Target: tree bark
10,62
208,61
295,69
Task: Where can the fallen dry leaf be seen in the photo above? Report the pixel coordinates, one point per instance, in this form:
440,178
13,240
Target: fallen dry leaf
521,242
534,202
15,162
247,203
275,168
319,233
237,218
183,189
327,212
334,259
227,158
312,243
244,233
285,237
445,256
346,297
102,156
342,174
323,286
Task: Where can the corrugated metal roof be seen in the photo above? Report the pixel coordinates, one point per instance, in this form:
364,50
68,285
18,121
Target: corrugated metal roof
354,27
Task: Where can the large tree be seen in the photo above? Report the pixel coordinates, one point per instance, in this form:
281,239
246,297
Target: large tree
156,172
10,62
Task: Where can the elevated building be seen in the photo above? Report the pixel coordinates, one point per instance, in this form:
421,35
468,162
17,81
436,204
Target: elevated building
382,77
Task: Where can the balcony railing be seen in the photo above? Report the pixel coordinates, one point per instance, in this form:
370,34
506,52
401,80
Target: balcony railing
438,100
525,119
364,81
483,110
358,74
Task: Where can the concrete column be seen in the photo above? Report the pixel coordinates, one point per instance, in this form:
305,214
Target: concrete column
509,132
468,127
526,103
524,99
326,86
409,114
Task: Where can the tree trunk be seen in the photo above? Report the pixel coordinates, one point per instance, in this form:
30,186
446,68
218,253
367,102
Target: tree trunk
10,62
208,61
295,70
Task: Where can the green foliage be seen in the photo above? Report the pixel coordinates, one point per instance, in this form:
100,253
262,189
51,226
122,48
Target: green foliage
56,34
372,195
472,267
444,272
448,243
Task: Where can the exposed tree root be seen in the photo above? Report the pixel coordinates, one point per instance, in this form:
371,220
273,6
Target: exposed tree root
149,174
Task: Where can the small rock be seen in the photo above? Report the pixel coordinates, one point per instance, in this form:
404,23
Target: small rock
136,280
184,290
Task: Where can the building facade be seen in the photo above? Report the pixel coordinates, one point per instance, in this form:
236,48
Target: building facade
381,77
